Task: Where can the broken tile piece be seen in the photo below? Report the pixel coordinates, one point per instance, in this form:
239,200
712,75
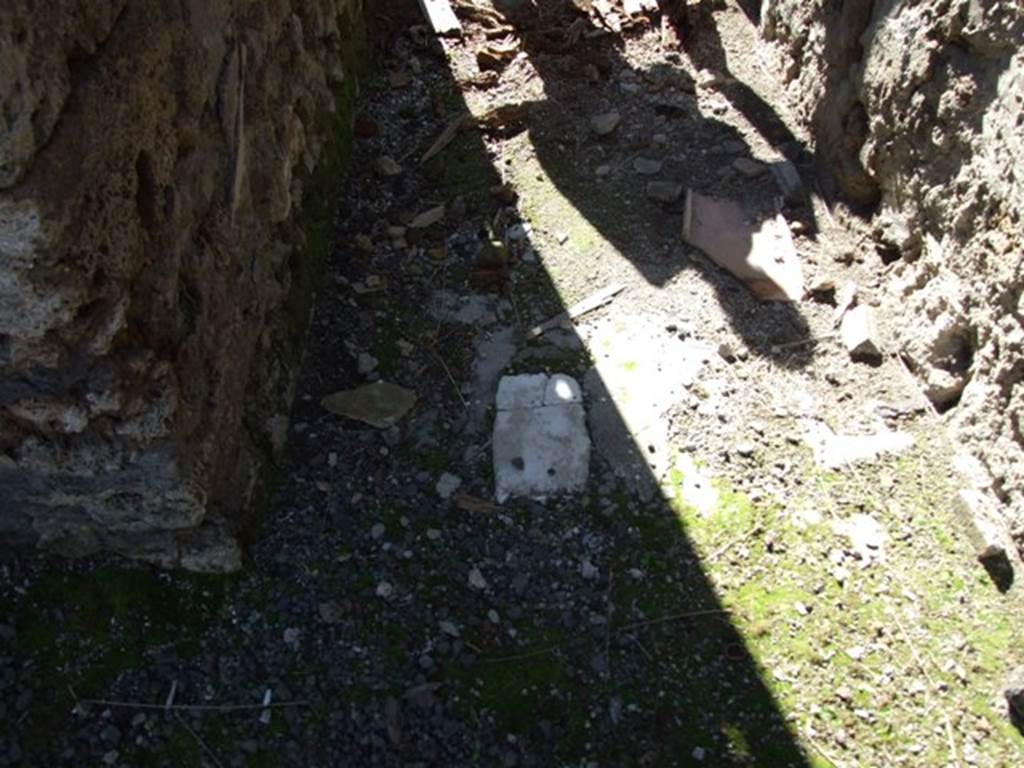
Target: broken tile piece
540,444
379,404
760,253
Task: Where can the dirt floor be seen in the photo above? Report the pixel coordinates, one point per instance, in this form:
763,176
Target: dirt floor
730,598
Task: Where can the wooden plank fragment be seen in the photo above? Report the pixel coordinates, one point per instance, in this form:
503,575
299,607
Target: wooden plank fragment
589,304
441,17
448,135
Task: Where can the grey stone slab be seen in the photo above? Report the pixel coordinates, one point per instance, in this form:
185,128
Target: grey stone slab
539,450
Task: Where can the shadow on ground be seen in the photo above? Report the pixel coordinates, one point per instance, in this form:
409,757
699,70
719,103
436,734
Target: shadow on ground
635,662
639,663
399,625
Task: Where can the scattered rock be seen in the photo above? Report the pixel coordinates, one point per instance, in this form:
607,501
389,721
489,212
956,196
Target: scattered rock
604,124
475,505
856,652
476,579
823,290
385,590
447,484
709,78
866,535
664,191
749,168
387,166
787,179
1014,692
372,284
428,218
860,333
379,404
647,167
331,611
746,450
366,363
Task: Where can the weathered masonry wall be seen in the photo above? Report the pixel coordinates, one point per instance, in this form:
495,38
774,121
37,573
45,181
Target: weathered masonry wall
918,113
165,179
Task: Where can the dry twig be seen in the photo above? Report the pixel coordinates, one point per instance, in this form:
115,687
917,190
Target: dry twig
202,744
455,384
190,707
920,663
608,625
673,617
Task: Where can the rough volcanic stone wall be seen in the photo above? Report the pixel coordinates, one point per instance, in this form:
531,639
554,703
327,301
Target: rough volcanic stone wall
917,108
164,175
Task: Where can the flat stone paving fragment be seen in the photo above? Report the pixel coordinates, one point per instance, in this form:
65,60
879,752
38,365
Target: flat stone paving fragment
541,447
379,404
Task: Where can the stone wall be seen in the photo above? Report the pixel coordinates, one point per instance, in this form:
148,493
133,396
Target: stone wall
165,178
917,109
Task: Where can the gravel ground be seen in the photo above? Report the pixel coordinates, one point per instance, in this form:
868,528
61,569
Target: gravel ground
745,615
